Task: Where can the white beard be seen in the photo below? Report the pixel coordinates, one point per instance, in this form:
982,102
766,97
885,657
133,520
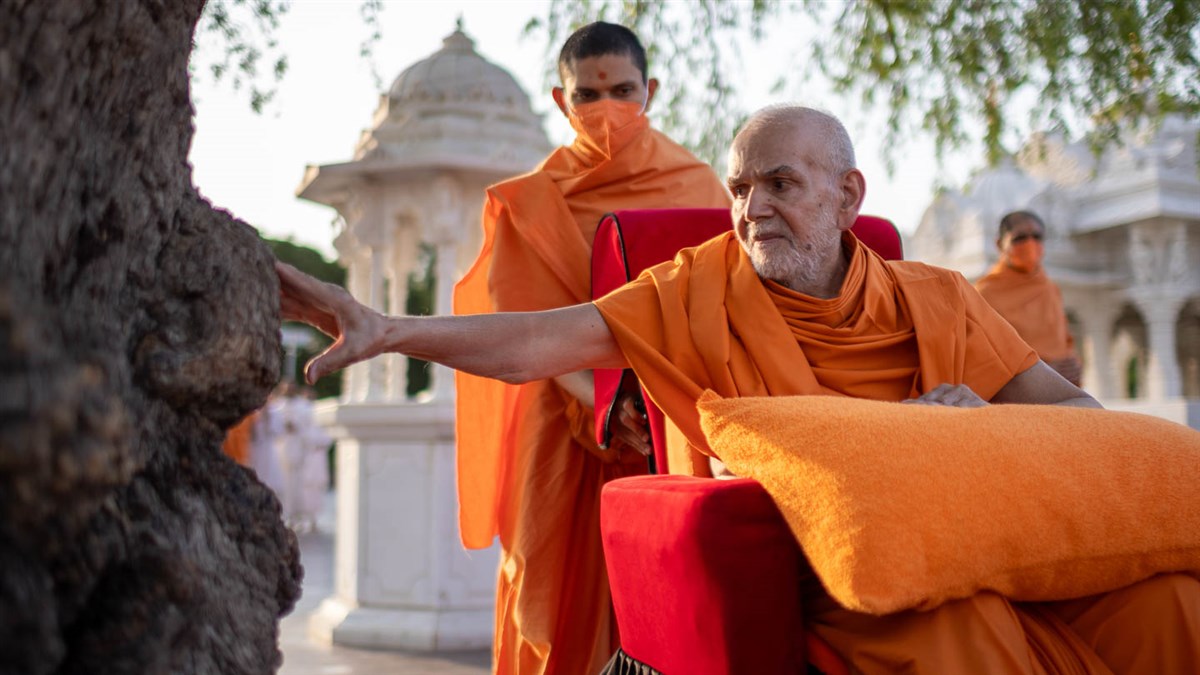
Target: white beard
792,263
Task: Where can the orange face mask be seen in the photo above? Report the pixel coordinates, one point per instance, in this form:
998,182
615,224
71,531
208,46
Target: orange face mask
605,126
1024,256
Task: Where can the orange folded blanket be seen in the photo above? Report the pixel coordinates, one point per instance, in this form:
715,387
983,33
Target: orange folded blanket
902,506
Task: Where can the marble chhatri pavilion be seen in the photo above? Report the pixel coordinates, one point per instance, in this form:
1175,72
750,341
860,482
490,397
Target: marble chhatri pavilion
1123,243
448,127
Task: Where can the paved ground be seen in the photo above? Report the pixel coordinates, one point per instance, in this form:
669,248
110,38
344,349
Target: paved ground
303,656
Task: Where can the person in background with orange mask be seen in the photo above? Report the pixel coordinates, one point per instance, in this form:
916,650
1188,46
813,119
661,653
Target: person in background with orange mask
529,468
1019,290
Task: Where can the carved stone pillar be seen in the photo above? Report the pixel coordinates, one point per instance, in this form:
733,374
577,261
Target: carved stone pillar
1099,374
403,263
444,231
397,364
1158,253
1163,379
442,378
377,373
358,278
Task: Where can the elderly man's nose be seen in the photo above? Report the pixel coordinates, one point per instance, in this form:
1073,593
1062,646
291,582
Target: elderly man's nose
758,205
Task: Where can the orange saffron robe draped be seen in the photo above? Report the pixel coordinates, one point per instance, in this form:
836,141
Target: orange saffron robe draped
528,467
897,329
1033,304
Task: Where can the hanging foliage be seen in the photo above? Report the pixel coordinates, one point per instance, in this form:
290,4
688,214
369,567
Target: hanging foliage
987,70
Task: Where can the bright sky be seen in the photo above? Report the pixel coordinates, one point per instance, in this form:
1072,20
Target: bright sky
251,164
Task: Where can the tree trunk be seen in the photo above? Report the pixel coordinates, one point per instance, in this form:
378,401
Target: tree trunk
136,324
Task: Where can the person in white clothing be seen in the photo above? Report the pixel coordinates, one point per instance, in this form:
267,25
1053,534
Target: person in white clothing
301,447
262,456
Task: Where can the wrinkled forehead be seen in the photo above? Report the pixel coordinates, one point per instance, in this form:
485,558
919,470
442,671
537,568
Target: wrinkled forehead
758,149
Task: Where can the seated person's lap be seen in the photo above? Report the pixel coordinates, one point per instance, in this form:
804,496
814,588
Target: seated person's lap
1129,630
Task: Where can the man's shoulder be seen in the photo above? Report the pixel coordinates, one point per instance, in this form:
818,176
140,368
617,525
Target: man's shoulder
534,177
536,186
920,279
912,270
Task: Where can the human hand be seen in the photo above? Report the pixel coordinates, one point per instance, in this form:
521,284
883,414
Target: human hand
305,299
358,331
632,427
953,395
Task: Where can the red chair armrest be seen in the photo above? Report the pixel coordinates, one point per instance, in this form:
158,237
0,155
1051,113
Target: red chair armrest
705,575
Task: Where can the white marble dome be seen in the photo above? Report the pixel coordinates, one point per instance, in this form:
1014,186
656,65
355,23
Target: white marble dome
456,73
455,109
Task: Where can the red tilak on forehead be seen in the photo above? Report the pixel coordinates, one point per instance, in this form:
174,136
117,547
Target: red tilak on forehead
603,75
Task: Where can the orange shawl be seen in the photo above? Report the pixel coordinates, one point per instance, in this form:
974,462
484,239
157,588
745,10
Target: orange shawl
1032,303
897,329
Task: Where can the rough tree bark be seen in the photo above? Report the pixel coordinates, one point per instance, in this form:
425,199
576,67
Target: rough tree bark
136,323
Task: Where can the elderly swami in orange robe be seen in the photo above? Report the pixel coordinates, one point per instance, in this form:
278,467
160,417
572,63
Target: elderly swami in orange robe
790,303
529,469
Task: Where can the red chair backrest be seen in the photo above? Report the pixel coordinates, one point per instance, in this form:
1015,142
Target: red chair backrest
879,235
630,241
626,243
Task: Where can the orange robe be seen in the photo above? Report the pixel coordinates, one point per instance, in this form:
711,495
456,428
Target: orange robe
528,467
237,440
897,329
1033,304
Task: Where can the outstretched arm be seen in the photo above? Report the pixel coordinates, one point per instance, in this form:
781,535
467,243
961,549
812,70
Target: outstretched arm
513,347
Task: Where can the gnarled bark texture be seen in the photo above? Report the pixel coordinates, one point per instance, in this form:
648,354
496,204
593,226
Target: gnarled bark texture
136,323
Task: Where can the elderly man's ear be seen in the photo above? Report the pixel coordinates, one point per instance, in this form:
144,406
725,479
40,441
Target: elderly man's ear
854,190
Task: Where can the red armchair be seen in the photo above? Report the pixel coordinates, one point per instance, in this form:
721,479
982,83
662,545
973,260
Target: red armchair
705,574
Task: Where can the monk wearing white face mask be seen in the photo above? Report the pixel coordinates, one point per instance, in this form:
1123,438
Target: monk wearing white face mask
1018,288
529,469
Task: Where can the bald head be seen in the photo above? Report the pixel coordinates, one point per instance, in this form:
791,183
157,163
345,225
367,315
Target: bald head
837,151
795,190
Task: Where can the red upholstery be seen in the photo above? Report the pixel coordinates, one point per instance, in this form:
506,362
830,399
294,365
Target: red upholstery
626,243
684,560
704,573
880,235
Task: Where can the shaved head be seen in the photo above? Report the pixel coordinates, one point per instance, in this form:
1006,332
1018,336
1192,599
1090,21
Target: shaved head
838,156
795,191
